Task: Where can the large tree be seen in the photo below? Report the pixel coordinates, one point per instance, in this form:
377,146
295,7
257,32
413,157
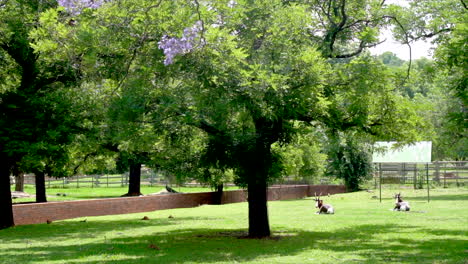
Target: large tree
249,72
29,121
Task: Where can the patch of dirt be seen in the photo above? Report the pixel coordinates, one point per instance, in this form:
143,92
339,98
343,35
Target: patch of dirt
15,194
163,191
243,235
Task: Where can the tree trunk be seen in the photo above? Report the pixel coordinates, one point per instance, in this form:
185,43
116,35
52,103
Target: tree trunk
19,181
258,212
40,187
258,169
257,165
6,206
134,179
219,194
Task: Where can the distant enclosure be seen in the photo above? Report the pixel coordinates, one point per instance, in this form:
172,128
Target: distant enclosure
437,174
148,177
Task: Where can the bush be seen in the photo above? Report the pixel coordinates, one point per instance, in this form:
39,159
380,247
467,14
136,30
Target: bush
350,161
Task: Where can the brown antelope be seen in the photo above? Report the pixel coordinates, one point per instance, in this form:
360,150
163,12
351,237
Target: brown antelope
400,205
323,208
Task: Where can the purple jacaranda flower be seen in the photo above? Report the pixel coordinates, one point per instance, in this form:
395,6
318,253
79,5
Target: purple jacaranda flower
172,46
75,7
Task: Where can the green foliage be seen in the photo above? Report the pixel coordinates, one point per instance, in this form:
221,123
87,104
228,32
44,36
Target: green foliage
444,22
350,160
303,158
452,54
391,59
40,116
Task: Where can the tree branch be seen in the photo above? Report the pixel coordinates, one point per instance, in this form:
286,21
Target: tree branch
153,6
464,4
75,170
430,35
407,42
202,35
338,28
362,46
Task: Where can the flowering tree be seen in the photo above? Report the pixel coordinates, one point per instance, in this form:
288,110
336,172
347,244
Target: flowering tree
173,46
75,7
263,70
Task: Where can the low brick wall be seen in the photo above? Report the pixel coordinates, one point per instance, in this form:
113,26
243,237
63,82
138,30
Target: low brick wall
35,213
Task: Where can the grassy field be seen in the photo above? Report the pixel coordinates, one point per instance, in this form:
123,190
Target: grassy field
363,230
56,194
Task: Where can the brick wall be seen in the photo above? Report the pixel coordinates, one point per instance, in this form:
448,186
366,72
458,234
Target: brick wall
35,213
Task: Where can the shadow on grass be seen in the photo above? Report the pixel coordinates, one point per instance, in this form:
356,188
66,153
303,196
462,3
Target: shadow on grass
205,245
82,228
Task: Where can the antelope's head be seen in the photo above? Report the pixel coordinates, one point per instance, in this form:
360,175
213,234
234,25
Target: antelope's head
318,202
398,198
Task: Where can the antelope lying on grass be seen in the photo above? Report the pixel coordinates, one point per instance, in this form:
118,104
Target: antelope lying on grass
400,205
323,208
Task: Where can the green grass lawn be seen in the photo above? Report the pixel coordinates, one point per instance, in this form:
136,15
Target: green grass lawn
101,192
363,230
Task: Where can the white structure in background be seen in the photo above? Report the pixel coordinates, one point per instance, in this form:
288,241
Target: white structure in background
419,152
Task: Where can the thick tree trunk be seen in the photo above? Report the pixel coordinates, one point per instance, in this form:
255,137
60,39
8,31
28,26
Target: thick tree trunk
19,181
6,206
40,187
134,179
258,210
258,169
219,194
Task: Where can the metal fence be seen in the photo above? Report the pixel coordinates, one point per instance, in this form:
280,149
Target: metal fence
148,177
416,175
435,174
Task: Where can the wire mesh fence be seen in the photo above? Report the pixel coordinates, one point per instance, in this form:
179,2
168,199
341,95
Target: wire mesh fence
410,175
421,175
148,177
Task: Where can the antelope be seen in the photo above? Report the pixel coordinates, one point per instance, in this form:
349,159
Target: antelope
323,208
400,205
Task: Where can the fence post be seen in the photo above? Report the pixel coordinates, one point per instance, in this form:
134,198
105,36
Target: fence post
445,175
427,178
380,179
375,176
